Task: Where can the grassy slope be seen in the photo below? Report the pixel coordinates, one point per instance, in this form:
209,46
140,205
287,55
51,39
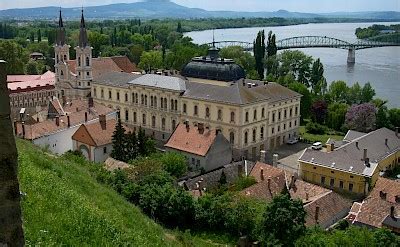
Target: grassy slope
65,205
320,138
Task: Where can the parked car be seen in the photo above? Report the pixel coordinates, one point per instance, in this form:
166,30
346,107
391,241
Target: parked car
317,146
293,141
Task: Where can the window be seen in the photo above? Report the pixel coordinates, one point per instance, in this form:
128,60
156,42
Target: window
87,61
290,124
351,187
290,112
207,112
332,182
162,102
246,117
145,100
109,95
172,105
79,83
263,113
176,105
153,121
284,126
155,101
134,117
144,119
245,138
232,138
104,150
57,59
136,98
142,99
118,96
284,114
65,57
173,124
296,110
279,128
126,115
95,92
151,101
126,97
295,122
163,123
273,117
279,116
322,180
165,104
195,110
254,135
232,117
197,163
262,133
184,108
341,184
255,115
87,73
272,130
219,114
79,62
88,83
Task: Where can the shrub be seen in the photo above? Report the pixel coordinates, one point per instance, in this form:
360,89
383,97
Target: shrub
315,128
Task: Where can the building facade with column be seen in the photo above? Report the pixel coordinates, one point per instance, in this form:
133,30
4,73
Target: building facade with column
252,115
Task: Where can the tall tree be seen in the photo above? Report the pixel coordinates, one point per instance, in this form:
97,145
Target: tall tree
15,55
119,142
32,37
319,110
179,28
368,93
306,100
283,221
151,60
32,68
271,44
11,233
336,115
259,53
131,146
39,36
317,79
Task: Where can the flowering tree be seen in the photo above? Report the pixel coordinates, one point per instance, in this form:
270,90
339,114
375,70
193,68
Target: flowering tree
319,110
361,117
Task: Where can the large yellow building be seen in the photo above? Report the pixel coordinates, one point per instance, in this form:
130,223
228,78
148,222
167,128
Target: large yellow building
356,164
252,115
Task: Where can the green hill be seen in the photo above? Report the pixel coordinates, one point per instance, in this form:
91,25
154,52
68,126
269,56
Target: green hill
64,204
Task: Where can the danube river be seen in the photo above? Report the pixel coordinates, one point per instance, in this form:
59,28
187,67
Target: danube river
379,66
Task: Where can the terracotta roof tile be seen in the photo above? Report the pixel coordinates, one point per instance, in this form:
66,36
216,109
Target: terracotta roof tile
190,140
125,64
374,209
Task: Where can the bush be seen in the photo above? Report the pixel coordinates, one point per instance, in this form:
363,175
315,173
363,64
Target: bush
315,128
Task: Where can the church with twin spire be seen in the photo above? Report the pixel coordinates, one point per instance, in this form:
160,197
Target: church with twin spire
73,78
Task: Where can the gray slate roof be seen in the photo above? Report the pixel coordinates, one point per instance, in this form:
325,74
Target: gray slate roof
117,79
349,157
352,134
237,93
160,81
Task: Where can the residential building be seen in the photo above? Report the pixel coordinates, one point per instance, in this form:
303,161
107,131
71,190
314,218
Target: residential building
74,77
252,115
355,165
380,209
55,133
204,149
30,91
324,207
94,139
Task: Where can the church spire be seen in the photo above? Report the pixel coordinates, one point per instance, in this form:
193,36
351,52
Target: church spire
83,39
60,39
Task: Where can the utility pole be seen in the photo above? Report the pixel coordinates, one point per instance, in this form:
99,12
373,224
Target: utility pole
11,233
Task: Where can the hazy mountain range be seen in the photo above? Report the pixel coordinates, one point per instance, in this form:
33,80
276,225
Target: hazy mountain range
151,9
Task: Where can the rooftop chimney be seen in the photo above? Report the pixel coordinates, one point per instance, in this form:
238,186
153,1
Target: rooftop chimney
86,116
365,154
269,185
382,195
57,120
275,158
316,214
90,102
68,122
392,212
200,127
263,156
187,126
262,174
64,100
103,122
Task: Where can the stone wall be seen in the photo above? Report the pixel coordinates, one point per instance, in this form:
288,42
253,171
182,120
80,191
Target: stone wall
11,233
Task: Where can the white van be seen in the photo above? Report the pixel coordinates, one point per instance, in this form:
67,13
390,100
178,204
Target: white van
317,146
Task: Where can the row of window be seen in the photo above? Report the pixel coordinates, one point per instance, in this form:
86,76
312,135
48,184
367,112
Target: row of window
284,127
296,111
332,183
153,120
254,135
207,113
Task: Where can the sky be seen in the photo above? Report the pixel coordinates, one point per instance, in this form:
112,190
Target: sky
309,6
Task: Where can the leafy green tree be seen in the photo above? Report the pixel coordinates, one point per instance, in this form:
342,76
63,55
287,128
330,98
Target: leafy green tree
306,100
394,117
137,39
174,163
32,68
336,115
283,220
271,44
119,142
150,60
382,113
136,52
15,56
97,40
179,28
354,95
39,35
368,93
338,92
317,79
244,59
259,53
131,146
297,63
32,37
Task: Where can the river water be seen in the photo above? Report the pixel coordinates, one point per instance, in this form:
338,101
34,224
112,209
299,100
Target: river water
379,66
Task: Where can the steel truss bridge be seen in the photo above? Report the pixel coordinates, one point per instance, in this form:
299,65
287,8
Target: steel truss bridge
312,42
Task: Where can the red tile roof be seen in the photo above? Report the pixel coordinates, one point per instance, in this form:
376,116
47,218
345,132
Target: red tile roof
32,81
375,208
101,136
190,140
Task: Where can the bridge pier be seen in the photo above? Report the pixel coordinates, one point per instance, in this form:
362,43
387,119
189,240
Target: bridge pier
351,56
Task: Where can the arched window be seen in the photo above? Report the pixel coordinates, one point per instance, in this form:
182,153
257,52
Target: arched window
151,101
207,112
173,124
102,93
87,61
155,101
246,117
263,113
109,95
232,138
246,136
153,121
184,108
163,123
219,114
196,110
118,96
255,115
134,117
142,99
172,105
162,102
126,115
232,117
165,104
254,135
62,74
145,100
262,133
79,61
176,105
144,119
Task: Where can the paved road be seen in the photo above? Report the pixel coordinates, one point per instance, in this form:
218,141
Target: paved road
288,156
